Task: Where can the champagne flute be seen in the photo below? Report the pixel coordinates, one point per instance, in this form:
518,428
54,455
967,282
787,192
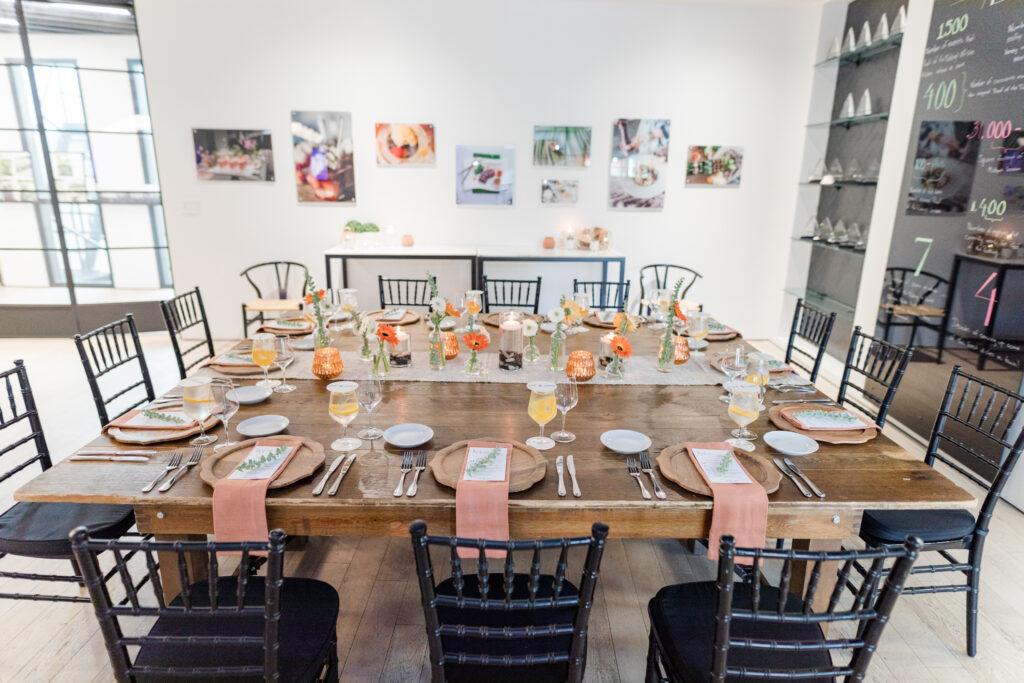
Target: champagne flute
542,409
197,402
225,407
369,395
264,351
343,408
283,359
744,407
567,395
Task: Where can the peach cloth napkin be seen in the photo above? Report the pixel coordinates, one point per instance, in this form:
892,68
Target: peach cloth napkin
739,510
122,422
481,507
240,505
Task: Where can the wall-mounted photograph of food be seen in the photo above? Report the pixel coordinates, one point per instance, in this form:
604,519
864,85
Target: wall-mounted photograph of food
639,162
714,166
233,154
559,191
322,152
484,175
405,144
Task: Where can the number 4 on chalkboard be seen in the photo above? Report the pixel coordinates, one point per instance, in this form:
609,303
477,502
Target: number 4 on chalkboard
923,240
991,298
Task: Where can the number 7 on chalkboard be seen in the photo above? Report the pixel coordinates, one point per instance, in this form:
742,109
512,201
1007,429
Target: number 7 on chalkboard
928,241
991,298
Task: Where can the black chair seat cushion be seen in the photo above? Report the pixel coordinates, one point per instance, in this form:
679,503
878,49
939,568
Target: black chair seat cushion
41,529
309,613
931,526
497,618
683,617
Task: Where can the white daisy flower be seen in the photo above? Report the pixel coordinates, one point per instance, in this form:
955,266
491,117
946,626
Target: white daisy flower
556,315
530,328
437,305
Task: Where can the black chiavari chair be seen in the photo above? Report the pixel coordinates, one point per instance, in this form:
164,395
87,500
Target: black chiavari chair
721,630
403,292
604,295
813,326
664,276
507,626
185,312
511,294
235,625
972,410
105,350
914,299
276,284
40,530
873,372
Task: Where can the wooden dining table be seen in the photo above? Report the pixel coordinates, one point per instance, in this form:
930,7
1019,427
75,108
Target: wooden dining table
874,475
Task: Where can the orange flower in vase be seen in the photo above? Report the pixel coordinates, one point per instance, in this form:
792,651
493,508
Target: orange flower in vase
623,323
679,312
621,346
387,334
450,310
475,341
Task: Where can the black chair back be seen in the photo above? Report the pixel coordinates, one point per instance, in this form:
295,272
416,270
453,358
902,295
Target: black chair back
511,294
604,295
510,594
907,286
975,409
861,604
881,365
814,326
277,279
103,351
403,292
221,599
664,276
15,385
185,312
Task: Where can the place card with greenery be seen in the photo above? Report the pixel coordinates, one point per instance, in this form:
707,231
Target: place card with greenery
261,462
486,464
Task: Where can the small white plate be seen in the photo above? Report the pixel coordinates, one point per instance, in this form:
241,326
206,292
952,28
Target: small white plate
448,324
625,441
304,343
262,425
250,395
790,443
408,435
548,327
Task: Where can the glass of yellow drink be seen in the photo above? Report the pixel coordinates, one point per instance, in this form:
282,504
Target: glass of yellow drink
543,408
197,402
343,408
264,353
744,408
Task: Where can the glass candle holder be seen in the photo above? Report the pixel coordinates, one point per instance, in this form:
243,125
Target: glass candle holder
605,356
682,351
510,344
451,345
580,366
401,352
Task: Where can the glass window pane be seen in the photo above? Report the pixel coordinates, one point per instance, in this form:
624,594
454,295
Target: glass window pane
22,224
110,162
128,225
21,161
16,110
90,267
28,268
98,36
110,101
83,226
135,268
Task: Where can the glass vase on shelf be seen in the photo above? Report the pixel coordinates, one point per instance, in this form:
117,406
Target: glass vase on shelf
556,357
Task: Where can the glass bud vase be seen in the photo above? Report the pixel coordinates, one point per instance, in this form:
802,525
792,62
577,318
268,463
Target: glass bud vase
666,352
616,369
436,346
366,352
556,358
473,364
531,354
381,363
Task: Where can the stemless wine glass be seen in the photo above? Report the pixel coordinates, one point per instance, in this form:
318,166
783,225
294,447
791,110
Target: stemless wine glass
733,365
343,408
264,351
757,373
542,409
225,407
744,407
567,395
369,395
282,360
197,402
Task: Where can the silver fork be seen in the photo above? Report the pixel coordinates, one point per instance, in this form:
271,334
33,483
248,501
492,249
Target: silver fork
406,468
172,465
648,469
421,464
634,472
193,460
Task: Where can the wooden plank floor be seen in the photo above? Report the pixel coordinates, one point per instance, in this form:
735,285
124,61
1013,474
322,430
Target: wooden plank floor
380,629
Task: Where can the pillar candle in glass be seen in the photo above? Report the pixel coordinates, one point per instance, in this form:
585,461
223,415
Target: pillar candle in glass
510,345
605,356
580,366
401,352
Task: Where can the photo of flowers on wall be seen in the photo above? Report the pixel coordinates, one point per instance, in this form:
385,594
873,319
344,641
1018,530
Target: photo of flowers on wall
639,159
484,175
559,191
714,166
322,153
405,144
233,154
561,146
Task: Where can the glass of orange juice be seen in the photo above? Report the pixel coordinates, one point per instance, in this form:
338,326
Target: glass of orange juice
264,353
343,408
543,408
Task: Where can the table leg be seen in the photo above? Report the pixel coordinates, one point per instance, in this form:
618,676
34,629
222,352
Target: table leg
802,571
196,563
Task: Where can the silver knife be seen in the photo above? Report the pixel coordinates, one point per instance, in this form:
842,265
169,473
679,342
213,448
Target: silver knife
571,465
779,402
799,484
818,492
560,468
111,452
323,482
341,475
110,458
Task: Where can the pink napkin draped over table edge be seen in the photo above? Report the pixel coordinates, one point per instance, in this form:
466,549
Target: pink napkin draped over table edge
122,423
739,510
240,505
481,507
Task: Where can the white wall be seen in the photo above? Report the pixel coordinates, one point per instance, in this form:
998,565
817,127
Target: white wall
733,73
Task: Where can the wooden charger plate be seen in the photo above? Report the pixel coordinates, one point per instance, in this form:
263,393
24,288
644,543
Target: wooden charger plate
528,465
494,319
144,436
302,465
288,332
834,437
409,318
594,321
675,465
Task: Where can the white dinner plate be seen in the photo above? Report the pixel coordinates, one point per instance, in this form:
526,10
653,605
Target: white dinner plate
548,327
448,324
790,443
303,343
250,395
262,425
625,441
408,435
